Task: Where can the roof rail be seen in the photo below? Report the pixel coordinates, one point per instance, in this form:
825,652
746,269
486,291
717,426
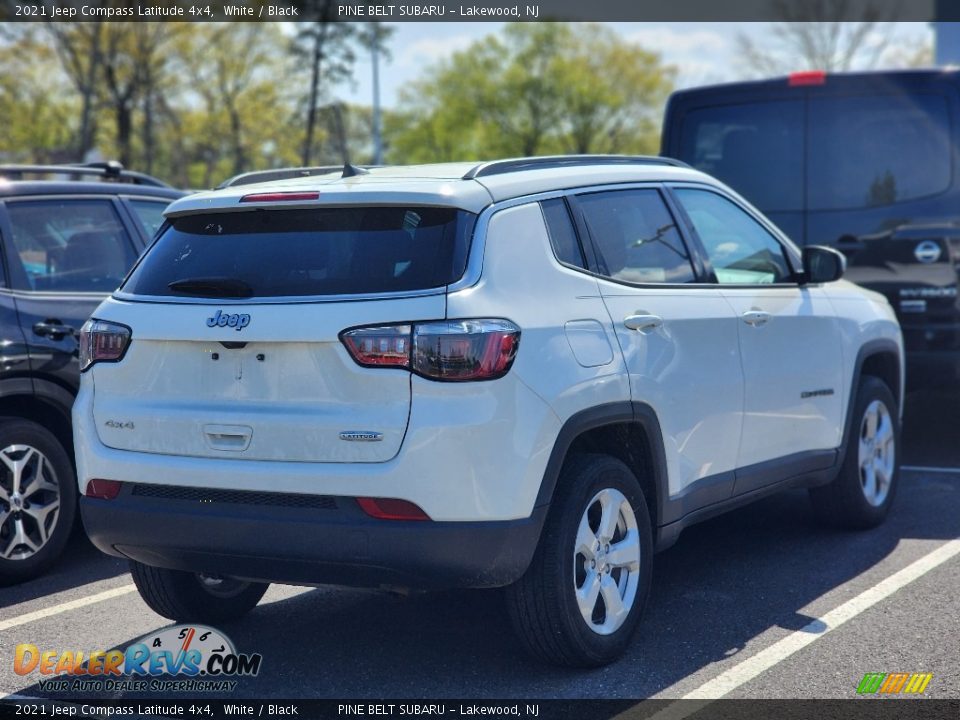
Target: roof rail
258,176
500,167
110,170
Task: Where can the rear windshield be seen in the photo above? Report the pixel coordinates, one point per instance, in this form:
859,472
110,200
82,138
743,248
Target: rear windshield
839,152
866,151
324,251
755,148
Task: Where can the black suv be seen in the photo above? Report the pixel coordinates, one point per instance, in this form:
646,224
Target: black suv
866,162
66,244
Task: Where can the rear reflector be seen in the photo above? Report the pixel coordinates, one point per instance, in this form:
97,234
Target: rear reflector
103,489
280,197
807,77
391,509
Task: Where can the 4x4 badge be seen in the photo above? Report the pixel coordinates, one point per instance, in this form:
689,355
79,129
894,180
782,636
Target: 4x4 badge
222,319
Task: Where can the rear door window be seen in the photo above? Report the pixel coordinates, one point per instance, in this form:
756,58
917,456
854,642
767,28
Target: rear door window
321,251
68,245
755,148
869,151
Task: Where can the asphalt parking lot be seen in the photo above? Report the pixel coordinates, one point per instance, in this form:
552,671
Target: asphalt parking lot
760,603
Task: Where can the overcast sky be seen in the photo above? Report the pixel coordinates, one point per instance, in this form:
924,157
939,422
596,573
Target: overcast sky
703,52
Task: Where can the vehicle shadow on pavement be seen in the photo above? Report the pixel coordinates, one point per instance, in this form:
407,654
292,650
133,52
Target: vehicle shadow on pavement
725,582
930,422
80,564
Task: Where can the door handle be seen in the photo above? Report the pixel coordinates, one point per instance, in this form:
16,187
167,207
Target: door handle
756,318
53,329
643,323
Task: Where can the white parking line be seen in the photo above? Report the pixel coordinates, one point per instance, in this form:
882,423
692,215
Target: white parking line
66,607
920,468
745,671
729,680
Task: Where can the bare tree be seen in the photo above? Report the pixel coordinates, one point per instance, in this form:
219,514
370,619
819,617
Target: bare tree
79,47
326,44
820,35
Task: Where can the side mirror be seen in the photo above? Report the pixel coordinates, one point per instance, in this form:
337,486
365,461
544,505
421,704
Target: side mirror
822,265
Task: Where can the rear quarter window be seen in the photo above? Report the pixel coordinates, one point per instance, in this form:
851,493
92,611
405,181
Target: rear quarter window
321,251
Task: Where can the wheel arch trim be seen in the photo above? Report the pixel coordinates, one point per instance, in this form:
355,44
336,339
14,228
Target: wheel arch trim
615,413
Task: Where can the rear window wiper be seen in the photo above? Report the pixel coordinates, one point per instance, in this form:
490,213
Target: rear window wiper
212,287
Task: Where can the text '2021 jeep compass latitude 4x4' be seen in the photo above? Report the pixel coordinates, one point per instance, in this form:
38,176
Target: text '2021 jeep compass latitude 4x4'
526,373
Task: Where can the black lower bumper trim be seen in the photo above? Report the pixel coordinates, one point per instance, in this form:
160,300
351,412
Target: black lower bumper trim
305,545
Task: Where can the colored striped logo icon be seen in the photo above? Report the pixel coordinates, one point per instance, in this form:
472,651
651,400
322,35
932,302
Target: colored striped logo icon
894,683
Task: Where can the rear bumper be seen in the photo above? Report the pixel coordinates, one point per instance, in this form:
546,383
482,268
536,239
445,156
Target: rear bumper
332,542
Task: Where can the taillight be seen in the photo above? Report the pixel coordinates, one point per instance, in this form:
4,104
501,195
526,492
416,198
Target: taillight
465,349
102,341
452,350
103,489
379,346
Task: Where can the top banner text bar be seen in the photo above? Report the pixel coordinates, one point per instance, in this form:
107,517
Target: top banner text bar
476,11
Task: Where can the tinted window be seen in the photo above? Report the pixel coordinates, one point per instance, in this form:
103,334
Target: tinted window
636,237
70,245
149,213
756,148
739,248
324,251
563,236
866,151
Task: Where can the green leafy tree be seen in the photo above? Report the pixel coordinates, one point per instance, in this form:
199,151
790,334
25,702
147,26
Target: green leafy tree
534,89
37,112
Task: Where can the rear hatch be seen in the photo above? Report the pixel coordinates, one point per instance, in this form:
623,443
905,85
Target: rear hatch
235,320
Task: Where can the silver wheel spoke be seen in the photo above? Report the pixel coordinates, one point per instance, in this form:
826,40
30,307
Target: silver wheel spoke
40,514
626,553
869,480
586,540
19,538
616,610
4,495
587,595
610,513
871,421
16,466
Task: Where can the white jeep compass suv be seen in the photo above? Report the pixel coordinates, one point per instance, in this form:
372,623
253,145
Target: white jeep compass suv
527,373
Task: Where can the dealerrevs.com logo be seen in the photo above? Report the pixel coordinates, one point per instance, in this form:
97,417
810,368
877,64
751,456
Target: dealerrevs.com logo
186,658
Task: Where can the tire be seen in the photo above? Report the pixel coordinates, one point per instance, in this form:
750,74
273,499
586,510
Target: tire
861,495
38,499
543,605
191,597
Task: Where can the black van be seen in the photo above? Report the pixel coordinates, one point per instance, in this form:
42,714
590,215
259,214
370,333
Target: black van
865,162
